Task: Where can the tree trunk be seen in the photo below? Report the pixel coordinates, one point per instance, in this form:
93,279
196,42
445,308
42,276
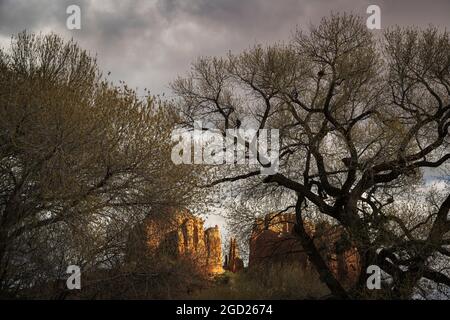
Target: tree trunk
325,274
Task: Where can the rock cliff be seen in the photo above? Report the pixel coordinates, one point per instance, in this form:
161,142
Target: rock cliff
213,250
272,240
178,234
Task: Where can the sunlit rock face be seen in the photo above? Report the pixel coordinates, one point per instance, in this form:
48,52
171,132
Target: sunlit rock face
190,236
213,250
233,261
272,240
180,235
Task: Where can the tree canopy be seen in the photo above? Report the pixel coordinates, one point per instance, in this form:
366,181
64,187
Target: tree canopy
81,162
360,119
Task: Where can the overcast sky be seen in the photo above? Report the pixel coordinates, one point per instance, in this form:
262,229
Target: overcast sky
147,43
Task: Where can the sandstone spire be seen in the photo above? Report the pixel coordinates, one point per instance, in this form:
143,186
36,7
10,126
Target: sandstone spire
233,262
213,250
180,235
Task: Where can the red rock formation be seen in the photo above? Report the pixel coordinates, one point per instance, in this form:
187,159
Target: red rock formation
272,240
213,250
336,248
233,262
180,235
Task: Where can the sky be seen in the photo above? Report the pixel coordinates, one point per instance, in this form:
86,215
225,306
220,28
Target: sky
148,43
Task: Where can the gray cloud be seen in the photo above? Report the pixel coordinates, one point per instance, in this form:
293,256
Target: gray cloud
148,43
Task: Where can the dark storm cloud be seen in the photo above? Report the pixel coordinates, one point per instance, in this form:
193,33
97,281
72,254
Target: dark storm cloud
148,43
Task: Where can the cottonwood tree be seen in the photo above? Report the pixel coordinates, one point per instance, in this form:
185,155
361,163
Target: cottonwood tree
81,160
360,118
